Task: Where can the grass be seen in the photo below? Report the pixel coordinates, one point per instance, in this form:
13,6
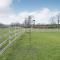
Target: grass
44,46
4,33
4,36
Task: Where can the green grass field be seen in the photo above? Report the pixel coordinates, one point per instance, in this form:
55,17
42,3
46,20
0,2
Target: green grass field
43,46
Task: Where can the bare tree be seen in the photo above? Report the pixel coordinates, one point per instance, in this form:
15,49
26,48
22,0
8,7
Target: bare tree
28,21
58,20
53,21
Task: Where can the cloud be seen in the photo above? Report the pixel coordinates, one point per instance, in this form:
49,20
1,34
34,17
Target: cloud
7,16
41,16
5,3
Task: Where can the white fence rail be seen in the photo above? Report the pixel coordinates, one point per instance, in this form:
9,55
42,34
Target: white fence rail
17,33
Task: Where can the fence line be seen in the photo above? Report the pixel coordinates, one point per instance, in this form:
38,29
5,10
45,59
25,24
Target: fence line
6,39
17,34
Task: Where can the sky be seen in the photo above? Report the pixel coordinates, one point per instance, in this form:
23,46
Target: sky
12,11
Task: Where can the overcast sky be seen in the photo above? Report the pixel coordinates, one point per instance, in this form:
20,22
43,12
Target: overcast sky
17,10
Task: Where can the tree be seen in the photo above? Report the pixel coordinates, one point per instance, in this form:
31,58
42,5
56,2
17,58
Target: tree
58,20
27,22
53,22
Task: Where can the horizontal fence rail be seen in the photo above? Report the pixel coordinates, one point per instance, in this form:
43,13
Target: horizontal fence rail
10,40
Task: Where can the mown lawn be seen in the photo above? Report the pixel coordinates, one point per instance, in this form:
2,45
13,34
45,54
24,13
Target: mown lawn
43,46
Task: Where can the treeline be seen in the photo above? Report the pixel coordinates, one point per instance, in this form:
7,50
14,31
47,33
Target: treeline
10,25
46,26
30,25
29,22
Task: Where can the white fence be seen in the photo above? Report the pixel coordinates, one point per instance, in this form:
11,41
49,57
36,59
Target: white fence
12,36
